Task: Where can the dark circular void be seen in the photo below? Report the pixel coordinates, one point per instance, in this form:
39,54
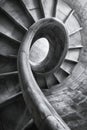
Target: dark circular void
55,32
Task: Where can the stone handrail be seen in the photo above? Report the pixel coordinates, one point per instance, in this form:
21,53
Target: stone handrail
44,115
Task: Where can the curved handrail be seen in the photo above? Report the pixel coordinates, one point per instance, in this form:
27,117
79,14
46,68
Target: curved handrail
42,112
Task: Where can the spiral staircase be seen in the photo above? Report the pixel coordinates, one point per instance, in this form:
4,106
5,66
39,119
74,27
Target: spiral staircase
64,88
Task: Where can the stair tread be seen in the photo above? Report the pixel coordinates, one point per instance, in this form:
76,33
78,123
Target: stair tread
9,98
72,24
10,38
41,81
75,41
73,46
77,46
68,66
8,73
16,11
61,75
62,10
49,8
14,20
69,15
9,27
51,80
7,64
73,55
76,31
9,87
8,47
34,8
9,55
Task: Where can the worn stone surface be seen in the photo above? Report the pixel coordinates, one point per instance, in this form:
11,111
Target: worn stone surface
70,100
70,97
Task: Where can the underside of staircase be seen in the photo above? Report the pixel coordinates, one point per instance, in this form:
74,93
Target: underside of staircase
66,87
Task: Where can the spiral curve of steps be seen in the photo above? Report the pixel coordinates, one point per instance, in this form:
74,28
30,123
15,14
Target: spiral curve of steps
16,17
